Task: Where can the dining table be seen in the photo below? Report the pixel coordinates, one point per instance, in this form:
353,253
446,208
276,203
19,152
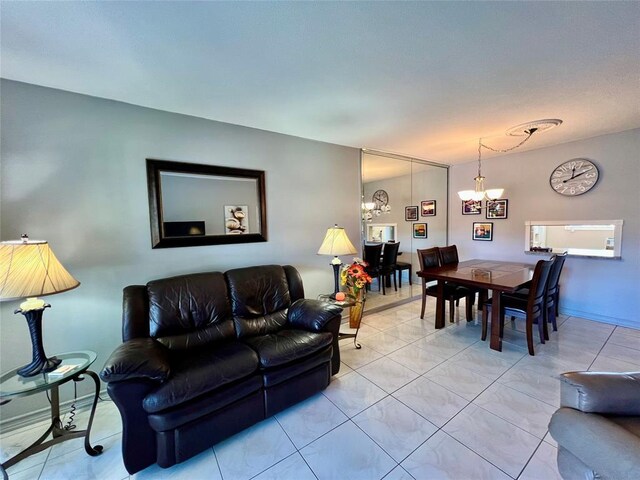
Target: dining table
487,275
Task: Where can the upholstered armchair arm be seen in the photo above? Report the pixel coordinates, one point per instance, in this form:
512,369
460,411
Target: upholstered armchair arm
597,392
606,447
139,358
312,315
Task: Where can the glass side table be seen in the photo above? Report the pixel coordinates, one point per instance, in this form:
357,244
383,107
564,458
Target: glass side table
347,302
13,386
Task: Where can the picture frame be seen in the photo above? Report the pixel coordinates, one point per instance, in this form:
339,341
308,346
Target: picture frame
411,213
236,219
497,208
471,207
419,230
428,208
482,231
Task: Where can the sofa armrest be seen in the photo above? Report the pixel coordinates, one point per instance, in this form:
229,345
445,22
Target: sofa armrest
312,315
609,449
139,358
597,392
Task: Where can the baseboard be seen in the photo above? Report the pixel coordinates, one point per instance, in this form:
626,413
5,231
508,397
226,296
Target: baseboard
44,413
599,318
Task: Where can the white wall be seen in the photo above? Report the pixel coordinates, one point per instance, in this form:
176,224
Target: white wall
599,289
73,173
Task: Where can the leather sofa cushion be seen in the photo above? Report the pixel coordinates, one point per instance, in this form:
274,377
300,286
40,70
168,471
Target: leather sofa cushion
189,310
277,375
287,346
259,298
198,371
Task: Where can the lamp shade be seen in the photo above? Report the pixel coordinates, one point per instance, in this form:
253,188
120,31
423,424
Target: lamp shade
28,268
336,243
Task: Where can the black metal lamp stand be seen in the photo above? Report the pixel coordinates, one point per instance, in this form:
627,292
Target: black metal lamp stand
39,363
336,272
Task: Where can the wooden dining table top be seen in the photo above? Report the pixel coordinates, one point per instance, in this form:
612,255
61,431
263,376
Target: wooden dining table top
489,274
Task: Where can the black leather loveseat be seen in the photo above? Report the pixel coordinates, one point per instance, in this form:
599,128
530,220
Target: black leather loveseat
206,355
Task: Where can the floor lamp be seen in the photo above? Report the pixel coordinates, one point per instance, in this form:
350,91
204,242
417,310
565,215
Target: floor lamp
336,243
28,268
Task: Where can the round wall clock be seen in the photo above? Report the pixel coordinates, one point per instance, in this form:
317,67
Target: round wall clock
380,198
574,177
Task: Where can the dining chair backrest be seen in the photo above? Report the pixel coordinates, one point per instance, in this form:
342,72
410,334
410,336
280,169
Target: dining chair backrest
428,258
372,256
554,275
390,253
538,289
448,255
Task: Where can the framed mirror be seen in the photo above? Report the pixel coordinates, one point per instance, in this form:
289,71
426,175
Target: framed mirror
192,204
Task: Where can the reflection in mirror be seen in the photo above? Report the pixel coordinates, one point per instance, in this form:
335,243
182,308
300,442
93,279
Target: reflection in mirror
587,238
381,232
405,182
193,204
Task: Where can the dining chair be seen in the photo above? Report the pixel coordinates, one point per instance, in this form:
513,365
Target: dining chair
372,257
532,308
430,258
388,264
449,255
553,290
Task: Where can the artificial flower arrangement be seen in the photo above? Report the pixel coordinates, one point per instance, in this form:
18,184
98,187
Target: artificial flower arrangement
355,278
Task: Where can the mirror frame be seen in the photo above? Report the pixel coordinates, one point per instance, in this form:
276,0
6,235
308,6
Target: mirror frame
154,185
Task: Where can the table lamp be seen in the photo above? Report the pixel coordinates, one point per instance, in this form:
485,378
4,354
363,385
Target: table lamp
336,243
29,268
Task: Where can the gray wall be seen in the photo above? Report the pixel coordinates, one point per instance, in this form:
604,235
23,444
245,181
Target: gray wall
73,173
598,289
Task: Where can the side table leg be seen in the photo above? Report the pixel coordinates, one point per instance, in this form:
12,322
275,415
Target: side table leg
97,450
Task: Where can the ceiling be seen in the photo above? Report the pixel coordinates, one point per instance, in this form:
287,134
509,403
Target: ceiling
423,79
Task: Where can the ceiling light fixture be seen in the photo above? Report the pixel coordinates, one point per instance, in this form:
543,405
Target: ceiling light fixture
528,129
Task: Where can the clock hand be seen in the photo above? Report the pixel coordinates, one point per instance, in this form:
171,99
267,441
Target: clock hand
575,176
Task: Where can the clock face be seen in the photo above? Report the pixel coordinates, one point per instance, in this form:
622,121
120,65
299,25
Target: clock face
574,177
380,198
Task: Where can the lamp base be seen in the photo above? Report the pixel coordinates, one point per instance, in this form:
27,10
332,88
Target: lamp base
39,363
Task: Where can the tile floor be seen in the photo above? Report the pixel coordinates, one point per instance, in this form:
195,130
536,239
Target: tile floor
413,403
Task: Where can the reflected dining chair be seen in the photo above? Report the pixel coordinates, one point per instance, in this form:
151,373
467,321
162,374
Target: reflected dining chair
532,308
430,258
388,264
372,257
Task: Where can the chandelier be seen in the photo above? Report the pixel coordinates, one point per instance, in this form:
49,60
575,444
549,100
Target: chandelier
527,129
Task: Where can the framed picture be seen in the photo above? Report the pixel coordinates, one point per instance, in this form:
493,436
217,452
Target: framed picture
428,208
471,207
236,219
497,208
419,230
411,214
483,231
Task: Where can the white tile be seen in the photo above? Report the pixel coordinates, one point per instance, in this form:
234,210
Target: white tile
409,332
416,359
608,364
293,467
432,401
550,440
543,465
628,331
395,427
496,440
620,337
630,355
308,420
387,374
535,381
458,378
344,369
384,343
15,442
77,464
203,465
442,345
356,358
353,393
347,452
526,412
30,473
253,450
444,458
484,361
379,321
398,473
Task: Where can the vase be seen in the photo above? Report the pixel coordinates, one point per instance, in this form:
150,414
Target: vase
355,312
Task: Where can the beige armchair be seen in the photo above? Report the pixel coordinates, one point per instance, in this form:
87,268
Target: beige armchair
597,426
